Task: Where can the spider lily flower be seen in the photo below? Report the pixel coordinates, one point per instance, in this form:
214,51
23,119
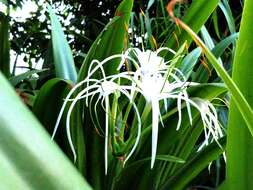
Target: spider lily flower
153,77
104,88
156,88
152,82
156,80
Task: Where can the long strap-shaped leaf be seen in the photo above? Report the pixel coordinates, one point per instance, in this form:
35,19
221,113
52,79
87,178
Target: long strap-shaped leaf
28,157
240,141
237,96
63,59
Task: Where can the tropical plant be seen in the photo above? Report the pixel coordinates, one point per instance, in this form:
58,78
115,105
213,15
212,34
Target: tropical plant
148,109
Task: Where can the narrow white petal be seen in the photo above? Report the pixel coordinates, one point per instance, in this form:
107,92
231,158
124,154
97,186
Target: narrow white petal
155,122
179,107
106,133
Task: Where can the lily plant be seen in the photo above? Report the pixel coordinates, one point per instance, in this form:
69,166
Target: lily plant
149,75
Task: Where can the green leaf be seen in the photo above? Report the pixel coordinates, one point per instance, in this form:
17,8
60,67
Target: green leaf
63,58
224,6
29,159
222,45
167,158
4,45
189,61
49,101
47,105
240,140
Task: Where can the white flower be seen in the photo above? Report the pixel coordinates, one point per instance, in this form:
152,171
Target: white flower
156,79
104,87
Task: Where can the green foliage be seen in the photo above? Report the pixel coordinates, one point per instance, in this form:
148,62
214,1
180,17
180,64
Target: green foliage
181,154
240,141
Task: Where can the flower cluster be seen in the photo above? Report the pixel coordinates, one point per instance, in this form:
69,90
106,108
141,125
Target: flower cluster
152,77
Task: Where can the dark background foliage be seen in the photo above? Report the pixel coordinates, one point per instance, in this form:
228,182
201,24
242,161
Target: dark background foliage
88,18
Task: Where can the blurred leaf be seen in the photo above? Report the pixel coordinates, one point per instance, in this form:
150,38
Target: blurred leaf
29,159
18,78
63,59
4,2
150,3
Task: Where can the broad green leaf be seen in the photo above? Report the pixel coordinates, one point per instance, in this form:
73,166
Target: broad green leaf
195,165
49,101
26,151
63,58
47,105
4,45
240,140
